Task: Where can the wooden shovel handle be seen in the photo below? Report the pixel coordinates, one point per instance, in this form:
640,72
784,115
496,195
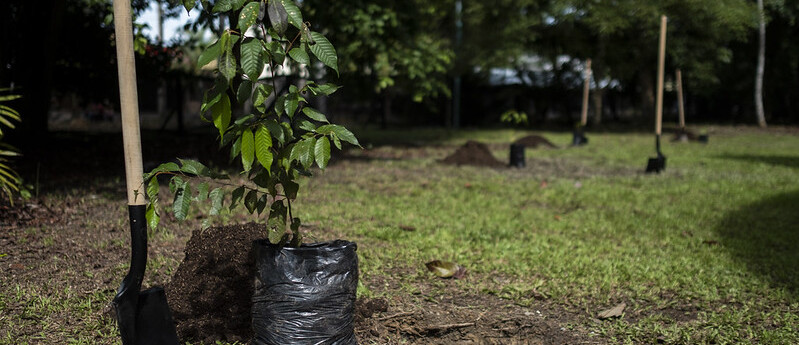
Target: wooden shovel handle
129,102
586,91
661,66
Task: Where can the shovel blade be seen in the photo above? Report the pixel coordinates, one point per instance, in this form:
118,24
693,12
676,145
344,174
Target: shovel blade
154,324
656,165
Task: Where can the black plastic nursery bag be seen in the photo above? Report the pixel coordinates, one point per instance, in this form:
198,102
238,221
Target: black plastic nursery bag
305,295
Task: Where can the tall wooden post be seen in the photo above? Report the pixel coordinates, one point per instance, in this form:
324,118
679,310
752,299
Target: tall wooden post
680,102
661,66
586,90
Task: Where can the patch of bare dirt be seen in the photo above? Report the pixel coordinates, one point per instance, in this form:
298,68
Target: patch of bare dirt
473,153
27,213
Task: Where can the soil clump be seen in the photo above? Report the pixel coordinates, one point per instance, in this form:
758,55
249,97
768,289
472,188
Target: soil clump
473,153
533,141
210,293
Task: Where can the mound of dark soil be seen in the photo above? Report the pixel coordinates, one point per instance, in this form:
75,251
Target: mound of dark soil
533,141
210,293
473,153
684,134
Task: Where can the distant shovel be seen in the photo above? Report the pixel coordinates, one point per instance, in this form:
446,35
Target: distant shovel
143,316
658,163
578,137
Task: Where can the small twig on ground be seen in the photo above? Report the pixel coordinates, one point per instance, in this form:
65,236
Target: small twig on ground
448,326
394,316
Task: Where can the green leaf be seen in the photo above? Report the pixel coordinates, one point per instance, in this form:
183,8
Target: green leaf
276,131
152,190
306,125
220,113
336,141
250,200
324,51
314,114
228,5
260,205
263,146
247,149
210,53
252,57
294,14
182,201
235,149
175,183
278,16
292,102
202,191
290,188
152,216
262,92
164,167
325,89
322,152
307,153
189,5
216,196
280,105
236,196
277,52
340,132
244,92
300,55
193,167
227,61
248,16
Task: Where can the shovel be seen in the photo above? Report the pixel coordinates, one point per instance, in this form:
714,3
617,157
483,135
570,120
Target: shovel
658,163
143,316
578,137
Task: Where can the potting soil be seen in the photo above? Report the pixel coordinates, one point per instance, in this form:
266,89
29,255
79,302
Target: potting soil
210,293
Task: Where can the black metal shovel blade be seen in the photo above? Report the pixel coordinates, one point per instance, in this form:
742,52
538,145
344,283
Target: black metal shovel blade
656,165
579,138
154,324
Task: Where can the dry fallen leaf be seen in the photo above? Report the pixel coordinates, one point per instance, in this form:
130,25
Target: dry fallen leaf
445,269
407,227
613,312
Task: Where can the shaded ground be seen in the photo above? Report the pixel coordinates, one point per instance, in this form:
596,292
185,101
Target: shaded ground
533,141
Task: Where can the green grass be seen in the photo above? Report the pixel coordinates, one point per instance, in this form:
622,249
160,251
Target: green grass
706,252
718,230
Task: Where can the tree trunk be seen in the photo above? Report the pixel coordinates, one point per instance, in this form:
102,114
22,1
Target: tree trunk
761,62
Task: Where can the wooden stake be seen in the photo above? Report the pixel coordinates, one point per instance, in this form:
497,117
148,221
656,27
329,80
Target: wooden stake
129,103
586,90
680,103
661,66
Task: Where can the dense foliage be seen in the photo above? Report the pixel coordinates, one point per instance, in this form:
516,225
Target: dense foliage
283,137
9,179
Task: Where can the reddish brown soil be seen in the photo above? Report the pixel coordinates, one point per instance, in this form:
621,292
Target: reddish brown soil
473,153
211,290
533,141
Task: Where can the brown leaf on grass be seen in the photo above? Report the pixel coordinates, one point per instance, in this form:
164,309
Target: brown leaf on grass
711,242
543,184
445,269
407,227
616,311
557,217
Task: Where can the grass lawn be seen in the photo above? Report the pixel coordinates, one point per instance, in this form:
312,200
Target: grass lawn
705,252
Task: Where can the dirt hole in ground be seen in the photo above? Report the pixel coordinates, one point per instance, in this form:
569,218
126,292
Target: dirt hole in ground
473,153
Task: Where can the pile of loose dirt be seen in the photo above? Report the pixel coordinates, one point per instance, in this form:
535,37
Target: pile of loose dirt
210,293
533,141
684,134
473,153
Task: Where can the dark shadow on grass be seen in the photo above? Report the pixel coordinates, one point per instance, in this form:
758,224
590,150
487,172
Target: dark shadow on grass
777,160
765,236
